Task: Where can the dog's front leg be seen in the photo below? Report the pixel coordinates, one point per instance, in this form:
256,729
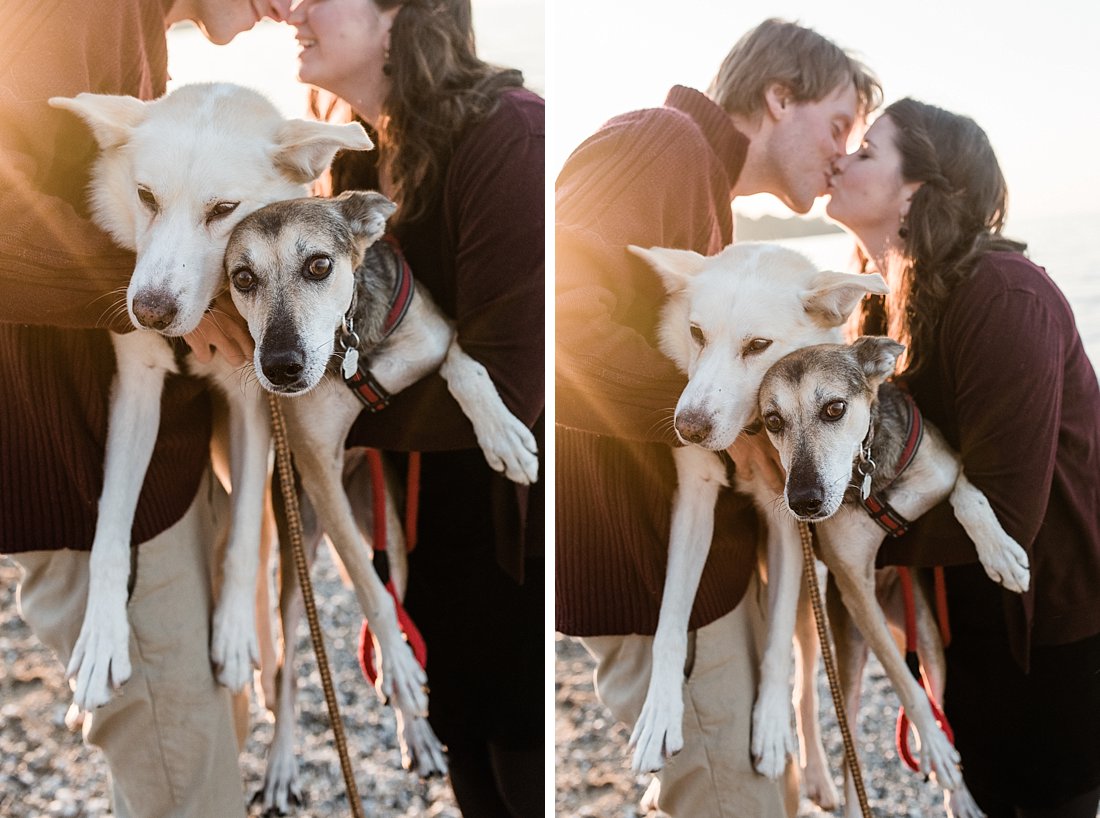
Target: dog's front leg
317,424
659,730
101,657
849,542
816,778
772,737
505,440
234,646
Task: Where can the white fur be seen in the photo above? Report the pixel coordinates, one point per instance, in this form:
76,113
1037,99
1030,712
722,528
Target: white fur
747,293
194,149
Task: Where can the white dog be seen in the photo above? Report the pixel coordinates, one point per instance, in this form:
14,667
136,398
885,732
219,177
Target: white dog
172,179
727,320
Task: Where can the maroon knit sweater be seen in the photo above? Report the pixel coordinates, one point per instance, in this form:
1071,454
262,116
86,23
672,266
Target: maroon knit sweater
1012,389
60,277
654,177
480,252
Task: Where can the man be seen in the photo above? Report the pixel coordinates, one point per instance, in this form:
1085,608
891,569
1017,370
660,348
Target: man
168,735
776,117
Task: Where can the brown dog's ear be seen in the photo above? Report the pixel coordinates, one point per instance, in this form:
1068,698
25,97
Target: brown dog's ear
111,118
304,148
366,212
877,356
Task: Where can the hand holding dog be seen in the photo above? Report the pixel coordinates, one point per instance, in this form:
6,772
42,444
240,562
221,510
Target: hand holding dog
222,330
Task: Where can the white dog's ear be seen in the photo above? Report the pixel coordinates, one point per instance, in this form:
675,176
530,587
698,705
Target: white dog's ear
304,148
676,267
111,118
877,356
366,213
831,297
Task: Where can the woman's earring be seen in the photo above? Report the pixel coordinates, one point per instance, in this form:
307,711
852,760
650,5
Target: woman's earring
387,66
903,228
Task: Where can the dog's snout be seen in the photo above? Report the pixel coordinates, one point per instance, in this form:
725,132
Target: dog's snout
805,501
283,367
693,426
155,309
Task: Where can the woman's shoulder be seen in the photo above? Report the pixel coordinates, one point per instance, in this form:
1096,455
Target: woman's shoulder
1013,281
518,111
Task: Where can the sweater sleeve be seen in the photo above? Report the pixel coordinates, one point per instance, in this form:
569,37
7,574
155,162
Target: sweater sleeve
1004,354
56,267
494,208
647,179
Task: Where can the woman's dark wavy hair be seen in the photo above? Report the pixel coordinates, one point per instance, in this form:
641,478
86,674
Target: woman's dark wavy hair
439,88
954,218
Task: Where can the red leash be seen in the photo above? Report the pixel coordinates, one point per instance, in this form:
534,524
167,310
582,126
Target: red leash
378,503
901,734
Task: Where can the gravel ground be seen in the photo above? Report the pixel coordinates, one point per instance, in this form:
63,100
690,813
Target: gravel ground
45,770
594,779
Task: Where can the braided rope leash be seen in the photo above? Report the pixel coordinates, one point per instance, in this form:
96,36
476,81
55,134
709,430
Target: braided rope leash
850,758
294,522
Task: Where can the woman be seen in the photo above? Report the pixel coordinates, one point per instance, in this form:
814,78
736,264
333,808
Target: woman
994,359
460,149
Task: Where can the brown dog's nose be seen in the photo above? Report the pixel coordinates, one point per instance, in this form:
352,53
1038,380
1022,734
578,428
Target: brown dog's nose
282,367
155,309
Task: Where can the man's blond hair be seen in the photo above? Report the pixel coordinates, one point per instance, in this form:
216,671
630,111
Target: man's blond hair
809,66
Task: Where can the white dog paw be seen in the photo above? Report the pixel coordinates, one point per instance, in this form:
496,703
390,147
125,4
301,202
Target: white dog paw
939,757
421,752
234,647
100,662
772,736
402,683
281,789
1007,564
961,804
818,785
511,448
659,731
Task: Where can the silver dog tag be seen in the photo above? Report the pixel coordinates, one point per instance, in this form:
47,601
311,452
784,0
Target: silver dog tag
350,364
865,488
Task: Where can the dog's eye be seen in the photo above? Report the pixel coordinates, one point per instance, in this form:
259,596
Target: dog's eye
219,210
318,268
773,423
697,336
834,410
756,345
243,279
148,199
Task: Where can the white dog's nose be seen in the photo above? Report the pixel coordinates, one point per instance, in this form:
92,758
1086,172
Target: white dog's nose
155,309
693,426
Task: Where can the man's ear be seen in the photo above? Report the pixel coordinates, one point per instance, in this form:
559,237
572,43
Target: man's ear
877,356
831,297
304,148
111,118
778,99
366,212
675,267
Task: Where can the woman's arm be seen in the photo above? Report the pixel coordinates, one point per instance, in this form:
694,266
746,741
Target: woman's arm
1003,356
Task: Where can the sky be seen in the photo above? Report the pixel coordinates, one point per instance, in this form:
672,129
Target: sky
1028,78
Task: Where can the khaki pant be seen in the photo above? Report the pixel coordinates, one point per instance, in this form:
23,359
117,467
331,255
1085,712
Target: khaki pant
168,735
712,776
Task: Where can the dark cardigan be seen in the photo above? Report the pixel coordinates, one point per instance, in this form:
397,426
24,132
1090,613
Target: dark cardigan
1013,391
662,177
